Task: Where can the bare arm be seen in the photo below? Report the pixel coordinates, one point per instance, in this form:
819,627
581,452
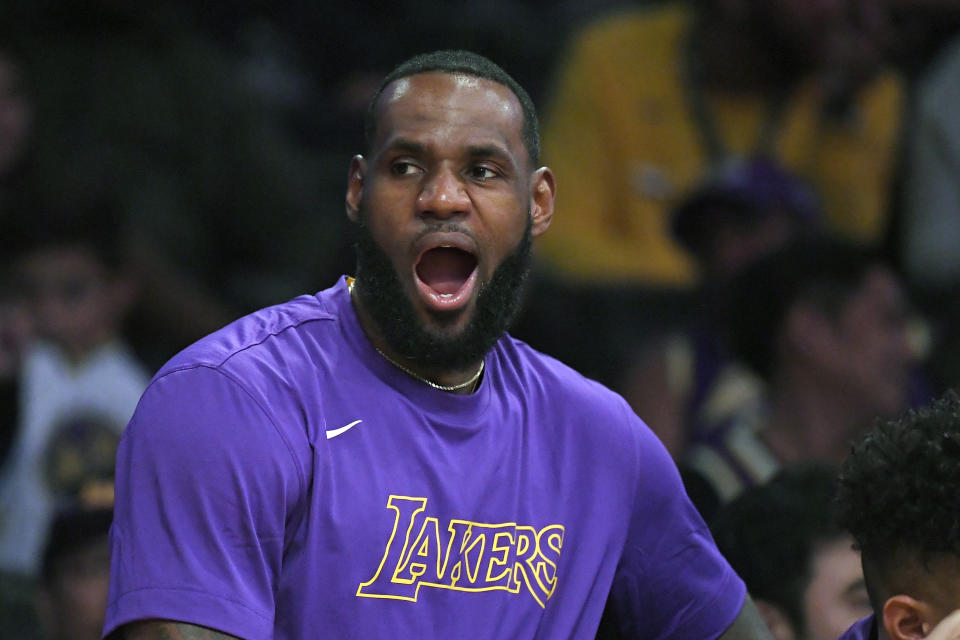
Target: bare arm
748,625
168,630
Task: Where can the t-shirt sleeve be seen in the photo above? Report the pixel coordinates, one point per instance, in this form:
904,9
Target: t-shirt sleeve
206,486
671,581
862,629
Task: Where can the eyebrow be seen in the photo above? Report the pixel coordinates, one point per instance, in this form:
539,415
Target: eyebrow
404,144
489,151
472,151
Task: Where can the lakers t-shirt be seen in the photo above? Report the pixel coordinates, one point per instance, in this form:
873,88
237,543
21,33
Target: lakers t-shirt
863,629
281,479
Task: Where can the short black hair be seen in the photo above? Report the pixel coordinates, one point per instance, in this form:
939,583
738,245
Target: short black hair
740,194
824,271
899,489
769,534
467,63
95,226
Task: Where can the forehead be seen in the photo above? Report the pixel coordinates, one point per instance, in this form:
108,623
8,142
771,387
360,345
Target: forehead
449,107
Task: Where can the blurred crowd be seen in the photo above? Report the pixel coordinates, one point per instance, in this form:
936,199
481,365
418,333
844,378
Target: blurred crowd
755,243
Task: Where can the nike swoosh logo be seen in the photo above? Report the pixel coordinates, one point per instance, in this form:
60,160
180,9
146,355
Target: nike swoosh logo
333,433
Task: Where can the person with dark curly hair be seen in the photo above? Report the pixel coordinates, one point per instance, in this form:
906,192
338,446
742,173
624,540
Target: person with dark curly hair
899,496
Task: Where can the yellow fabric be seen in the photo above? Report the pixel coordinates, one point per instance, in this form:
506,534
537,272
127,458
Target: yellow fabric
619,136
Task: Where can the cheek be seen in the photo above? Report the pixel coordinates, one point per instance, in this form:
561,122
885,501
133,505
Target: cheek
828,615
505,225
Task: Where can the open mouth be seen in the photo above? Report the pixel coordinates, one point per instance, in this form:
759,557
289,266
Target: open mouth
446,276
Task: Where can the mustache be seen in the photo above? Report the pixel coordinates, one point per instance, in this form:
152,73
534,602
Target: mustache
498,300
444,227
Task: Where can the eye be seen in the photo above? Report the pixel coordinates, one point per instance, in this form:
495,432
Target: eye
481,172
404,168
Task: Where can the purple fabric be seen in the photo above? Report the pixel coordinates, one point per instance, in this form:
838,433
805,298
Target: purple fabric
245,504
862,629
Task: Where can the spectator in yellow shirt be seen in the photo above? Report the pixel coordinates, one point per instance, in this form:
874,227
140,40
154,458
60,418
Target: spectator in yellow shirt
647,99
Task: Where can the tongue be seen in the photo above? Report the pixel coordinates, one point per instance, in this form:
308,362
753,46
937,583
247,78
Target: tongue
445,269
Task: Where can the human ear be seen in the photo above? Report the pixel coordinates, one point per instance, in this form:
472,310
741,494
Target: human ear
906,618
775,619
358,169
543,189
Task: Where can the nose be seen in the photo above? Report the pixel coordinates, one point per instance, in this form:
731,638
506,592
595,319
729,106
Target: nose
443,195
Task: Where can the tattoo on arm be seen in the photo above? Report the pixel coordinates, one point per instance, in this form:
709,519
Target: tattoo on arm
167,630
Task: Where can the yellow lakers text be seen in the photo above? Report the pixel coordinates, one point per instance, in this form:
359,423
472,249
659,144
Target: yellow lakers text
473,556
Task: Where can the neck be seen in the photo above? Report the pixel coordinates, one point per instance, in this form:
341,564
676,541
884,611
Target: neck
459,381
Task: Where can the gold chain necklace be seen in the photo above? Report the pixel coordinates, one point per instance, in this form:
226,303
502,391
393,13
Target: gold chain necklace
455,387
413,374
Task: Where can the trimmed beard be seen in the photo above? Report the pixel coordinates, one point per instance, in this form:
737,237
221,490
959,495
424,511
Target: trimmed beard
382,295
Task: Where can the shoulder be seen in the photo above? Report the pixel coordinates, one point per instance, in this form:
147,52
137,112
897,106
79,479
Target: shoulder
558,389
257,334
260,371
863,629
546,374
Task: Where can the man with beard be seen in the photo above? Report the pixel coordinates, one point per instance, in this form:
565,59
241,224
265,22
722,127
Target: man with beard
381,459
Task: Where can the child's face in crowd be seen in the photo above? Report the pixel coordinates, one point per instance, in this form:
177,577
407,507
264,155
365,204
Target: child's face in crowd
836,596
76,302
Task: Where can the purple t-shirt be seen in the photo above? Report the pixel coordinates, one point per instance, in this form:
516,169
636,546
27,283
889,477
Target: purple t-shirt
280,479
863,629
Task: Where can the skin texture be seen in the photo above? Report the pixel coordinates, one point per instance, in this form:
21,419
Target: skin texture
869,351
447,167
947,629
165,630
748,625
836,596
934,588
